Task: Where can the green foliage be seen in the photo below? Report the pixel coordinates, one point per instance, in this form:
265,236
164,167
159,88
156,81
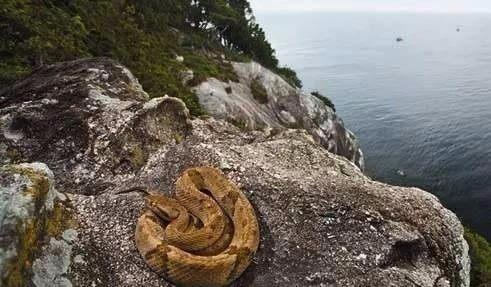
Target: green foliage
144,35
259,92
480,251
324,99
240,124
204,67
290,76
33,32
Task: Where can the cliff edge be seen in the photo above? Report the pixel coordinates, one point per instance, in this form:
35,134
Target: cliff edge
96,132
261,99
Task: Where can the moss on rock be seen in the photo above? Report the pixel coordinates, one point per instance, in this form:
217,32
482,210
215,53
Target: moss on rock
259,92
480,251
239,123
138,156
59,219
13,155
47,216
19,266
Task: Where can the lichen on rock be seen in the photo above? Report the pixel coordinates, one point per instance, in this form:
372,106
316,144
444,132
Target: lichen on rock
30,213
51,268
89,120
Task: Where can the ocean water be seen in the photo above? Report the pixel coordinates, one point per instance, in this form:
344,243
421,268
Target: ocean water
421,108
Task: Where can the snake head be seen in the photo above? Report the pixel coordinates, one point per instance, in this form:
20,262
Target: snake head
165,208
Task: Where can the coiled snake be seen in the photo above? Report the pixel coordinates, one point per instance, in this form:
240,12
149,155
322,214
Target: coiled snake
205,236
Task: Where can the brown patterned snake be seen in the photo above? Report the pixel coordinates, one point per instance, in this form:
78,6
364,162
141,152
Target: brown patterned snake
206,236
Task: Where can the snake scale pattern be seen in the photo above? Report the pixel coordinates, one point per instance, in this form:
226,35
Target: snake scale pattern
206,236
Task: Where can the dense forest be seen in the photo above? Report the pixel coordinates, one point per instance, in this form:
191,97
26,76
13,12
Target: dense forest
145,35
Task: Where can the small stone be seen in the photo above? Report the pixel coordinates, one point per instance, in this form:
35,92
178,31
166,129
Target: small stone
225,166
377,259
78,259
362,256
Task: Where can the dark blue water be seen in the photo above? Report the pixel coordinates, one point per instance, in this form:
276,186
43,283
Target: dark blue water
422,105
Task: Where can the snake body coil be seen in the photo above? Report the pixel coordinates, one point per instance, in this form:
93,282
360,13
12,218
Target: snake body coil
205,236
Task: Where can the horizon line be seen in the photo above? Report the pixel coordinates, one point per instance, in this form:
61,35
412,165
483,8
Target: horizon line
406,11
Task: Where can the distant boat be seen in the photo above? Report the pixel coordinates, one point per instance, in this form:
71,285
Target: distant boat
458,30
399,39
400,172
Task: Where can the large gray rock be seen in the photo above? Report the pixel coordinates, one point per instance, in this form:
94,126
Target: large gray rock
323,223
283,107
89,120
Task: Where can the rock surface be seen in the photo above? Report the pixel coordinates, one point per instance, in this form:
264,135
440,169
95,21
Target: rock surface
323,223
32,214
89,120
283,106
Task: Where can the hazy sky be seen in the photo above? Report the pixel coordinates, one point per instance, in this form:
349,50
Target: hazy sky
452,6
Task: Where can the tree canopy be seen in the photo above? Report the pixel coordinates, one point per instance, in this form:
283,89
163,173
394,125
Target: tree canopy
145,35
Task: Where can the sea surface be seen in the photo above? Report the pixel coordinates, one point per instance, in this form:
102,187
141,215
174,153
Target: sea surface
421,107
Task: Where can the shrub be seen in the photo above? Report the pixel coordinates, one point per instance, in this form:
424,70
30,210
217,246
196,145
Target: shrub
324,99
290,76
480,252
259,93
239,123
145,36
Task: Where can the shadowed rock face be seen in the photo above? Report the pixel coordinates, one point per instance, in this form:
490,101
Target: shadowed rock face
323,223
285,107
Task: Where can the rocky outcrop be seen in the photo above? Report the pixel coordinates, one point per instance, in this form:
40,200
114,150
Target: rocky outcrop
262,99
322,222
89,120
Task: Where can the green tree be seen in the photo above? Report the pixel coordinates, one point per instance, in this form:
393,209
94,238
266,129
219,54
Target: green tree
145,35
480,252
35,32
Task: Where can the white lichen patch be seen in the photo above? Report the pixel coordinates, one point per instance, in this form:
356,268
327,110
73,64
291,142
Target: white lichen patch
51,268
70,235
108,102
79,259
361,257
133,81
18,206
15,206
47,101
153,103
